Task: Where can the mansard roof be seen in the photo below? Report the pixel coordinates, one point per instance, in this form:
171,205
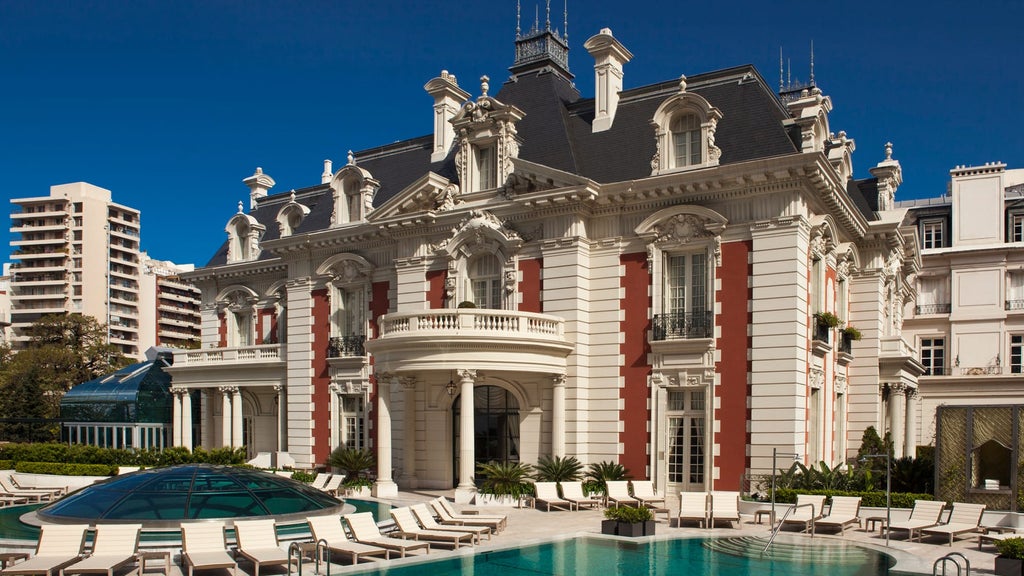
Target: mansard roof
556,132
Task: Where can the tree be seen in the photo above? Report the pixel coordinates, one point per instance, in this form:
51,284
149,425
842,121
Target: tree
83,334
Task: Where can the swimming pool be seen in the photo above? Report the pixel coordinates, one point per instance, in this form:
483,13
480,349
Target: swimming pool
692,556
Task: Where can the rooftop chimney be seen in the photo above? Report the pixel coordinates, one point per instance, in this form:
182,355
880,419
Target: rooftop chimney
328,172
609,56
258,185
448,98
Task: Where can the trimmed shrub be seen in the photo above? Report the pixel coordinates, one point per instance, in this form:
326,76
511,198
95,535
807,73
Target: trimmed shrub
870,499
629,514
62,469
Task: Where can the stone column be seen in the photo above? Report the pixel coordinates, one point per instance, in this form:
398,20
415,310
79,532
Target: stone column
282,429
558,416
236,418
897,412
335,410
385,486
409,433
466,489
225,415
910,448
176,416
184,431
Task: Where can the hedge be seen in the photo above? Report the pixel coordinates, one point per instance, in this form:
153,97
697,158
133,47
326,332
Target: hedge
869,499
63,469
82,454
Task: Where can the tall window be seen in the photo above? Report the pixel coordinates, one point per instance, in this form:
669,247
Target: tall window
485,281
686,141
685,291
242,327
933,356
933,295
1015,290
817,285
686,438
1016,232
933,233
352,422
495,423
1017,354
349,314
487,167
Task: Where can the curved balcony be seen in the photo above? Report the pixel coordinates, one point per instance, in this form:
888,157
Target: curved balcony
470,338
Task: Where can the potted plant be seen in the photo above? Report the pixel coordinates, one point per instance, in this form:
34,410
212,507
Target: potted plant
827,319
628,521
1011,557
467,304
558,469
600,472
503,483
851,332
356,464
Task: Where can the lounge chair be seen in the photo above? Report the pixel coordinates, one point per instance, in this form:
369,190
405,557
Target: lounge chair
409,527
327,531
925,514
7,488
114,546
844,510
257,541
643,490
320,480
365,530
205,547
618,493
807,510
573,492
426,518
547,494
964,518
59,545
994,537
693,506
448,515
725,506
333,485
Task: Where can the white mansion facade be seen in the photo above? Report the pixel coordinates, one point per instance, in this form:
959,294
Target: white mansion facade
632,277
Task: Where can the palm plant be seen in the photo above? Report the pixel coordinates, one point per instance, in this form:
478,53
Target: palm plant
600,472
504,478
353,462
558,469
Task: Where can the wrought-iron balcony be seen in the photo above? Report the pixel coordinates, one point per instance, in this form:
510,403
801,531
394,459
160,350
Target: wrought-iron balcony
682,325
346,346
1015,304
924,309
846,344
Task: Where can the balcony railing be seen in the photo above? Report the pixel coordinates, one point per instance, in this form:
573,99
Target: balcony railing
936,370
823,332
980,370
1015,304
242,355
845,343
346,346
476,321
922,309
682,325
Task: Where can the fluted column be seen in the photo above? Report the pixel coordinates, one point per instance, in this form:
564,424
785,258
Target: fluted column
225,415
409,434
385,486
910,448
183,433
897,412
176,416
467,448
558,416
236,418
282,429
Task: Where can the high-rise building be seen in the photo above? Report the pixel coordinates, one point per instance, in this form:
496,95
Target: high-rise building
170,306
76,251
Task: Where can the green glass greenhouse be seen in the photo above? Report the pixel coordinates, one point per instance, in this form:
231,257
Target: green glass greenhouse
130,408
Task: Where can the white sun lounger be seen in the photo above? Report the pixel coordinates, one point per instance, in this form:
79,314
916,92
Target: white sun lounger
547,494
426,518
925,514
573,492
618,493
845,510
327,531
643,490
257,541
807,510
365,530
725,507
964,518
114,546
205,547
409,527
448,515
59,545
693,506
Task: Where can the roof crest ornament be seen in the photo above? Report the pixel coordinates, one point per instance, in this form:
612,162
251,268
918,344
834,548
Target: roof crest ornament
351,159
240,207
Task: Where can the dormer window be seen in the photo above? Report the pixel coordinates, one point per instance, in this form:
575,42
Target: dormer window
289,218
353,190
685,127
487,142
244,235
686,142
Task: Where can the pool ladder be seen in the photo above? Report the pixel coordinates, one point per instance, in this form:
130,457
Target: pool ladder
295,550
775,530
954,558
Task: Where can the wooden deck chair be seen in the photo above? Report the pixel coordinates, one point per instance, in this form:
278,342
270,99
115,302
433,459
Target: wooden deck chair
333,485
845,510
114,546
808,508
426,519
448,515
8,488
59,545
573,492
547,494
925,514
365,530
409,527
205,547
964,518
320,481
328,532
693,506
644,491
618,493
725,506
257,541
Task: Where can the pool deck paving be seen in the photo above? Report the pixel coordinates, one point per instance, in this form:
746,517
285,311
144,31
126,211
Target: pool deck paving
529,526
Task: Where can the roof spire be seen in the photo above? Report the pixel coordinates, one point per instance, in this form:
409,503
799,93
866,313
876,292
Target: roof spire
536,18
781,84
517,20
547,17
565,20
812,62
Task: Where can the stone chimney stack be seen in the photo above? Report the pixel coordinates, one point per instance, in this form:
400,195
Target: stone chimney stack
448,99
609,57
890,176
328,172
259,183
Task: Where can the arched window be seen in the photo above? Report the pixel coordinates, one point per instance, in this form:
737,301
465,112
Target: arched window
485,281
686,141
240,242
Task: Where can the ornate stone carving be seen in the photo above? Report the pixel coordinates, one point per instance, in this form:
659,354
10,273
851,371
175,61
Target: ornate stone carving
817,378
681,228
407,382
510,281
465,373
558,380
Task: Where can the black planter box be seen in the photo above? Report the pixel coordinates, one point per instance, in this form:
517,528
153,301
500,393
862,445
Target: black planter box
1008,566
616,528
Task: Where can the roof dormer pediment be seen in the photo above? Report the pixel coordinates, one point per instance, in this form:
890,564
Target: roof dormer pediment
430,193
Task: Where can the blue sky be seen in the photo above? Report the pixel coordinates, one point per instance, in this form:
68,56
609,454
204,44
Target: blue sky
171,104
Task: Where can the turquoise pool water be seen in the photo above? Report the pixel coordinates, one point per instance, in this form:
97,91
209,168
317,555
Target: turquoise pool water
692,557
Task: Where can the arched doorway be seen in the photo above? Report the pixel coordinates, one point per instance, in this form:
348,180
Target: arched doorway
496,426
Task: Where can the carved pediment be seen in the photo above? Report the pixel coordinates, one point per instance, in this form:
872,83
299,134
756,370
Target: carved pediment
430,193
481,232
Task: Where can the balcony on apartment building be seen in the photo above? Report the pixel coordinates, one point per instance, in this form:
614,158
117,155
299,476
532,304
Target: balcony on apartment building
474,338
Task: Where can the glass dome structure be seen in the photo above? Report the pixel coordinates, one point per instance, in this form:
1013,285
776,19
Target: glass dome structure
165,497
